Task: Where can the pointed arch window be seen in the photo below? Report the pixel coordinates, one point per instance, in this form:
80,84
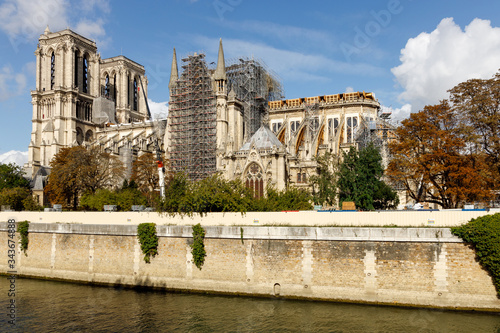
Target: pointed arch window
52,71
85,74
106,86
114,88
135,94
254,180
128,90
76,69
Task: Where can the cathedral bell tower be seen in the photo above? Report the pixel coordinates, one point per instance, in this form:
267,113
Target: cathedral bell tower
67,72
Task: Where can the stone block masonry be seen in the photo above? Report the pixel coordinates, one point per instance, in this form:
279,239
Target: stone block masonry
421,267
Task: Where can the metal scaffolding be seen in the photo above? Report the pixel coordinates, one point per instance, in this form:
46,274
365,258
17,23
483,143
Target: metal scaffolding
254,84
192,120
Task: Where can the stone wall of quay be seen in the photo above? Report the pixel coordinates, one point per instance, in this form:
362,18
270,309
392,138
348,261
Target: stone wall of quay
422,267
423,218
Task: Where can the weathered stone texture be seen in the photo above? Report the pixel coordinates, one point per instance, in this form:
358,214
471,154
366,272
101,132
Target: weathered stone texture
338,264
39,251
405,273
72,252
114,255
277,261
170,261
225,261
405,266
465,275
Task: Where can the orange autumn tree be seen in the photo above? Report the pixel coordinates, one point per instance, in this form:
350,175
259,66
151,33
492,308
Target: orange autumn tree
145,175
476,104
78,170
431,161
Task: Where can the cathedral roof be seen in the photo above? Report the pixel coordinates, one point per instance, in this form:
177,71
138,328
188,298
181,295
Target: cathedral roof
264,138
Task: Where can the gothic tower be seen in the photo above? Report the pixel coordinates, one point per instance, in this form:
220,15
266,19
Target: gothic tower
77,92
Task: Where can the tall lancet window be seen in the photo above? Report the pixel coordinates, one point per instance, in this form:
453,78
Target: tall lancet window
114,88
128,90
106,87
85,87
76,69
135,94
52,71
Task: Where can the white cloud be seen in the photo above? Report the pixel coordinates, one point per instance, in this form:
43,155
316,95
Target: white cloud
14,156
349,90
398,114
29,18
435,62
159,110
24,20
91,29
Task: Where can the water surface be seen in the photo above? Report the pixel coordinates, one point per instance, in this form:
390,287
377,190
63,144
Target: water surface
47,306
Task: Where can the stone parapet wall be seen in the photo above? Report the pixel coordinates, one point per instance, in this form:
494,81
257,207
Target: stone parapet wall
441,218
422,267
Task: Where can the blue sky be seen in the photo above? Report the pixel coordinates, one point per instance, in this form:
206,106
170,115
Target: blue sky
408,52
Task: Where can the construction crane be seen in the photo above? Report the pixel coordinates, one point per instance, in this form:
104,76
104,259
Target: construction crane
159,159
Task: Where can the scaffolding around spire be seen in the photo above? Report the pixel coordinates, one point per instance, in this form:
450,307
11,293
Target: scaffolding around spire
192,120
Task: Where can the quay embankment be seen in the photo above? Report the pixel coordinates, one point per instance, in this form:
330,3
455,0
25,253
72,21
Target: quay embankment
268,255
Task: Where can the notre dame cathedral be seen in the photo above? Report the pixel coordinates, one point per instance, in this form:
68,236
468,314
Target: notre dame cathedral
231,118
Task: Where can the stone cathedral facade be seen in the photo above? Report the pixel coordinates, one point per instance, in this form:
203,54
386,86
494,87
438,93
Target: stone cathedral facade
258,138
82,99
231,119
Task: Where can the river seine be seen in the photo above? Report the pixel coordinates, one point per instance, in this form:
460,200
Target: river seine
47,306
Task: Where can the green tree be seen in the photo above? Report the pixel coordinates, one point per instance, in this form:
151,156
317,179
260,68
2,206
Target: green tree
124,199
14,197
359,179
324,183
11,175
291,198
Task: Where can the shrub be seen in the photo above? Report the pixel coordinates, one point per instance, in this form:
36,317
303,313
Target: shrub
22,229
198,246
484,234
146,232
124,199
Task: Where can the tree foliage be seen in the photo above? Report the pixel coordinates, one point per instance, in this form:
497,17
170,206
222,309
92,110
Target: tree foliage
15,198
145,175
324,183
431,161
216,194
79,170
359,180
476,106
12,175
484,234
198,246
23,230
124,199
146,233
